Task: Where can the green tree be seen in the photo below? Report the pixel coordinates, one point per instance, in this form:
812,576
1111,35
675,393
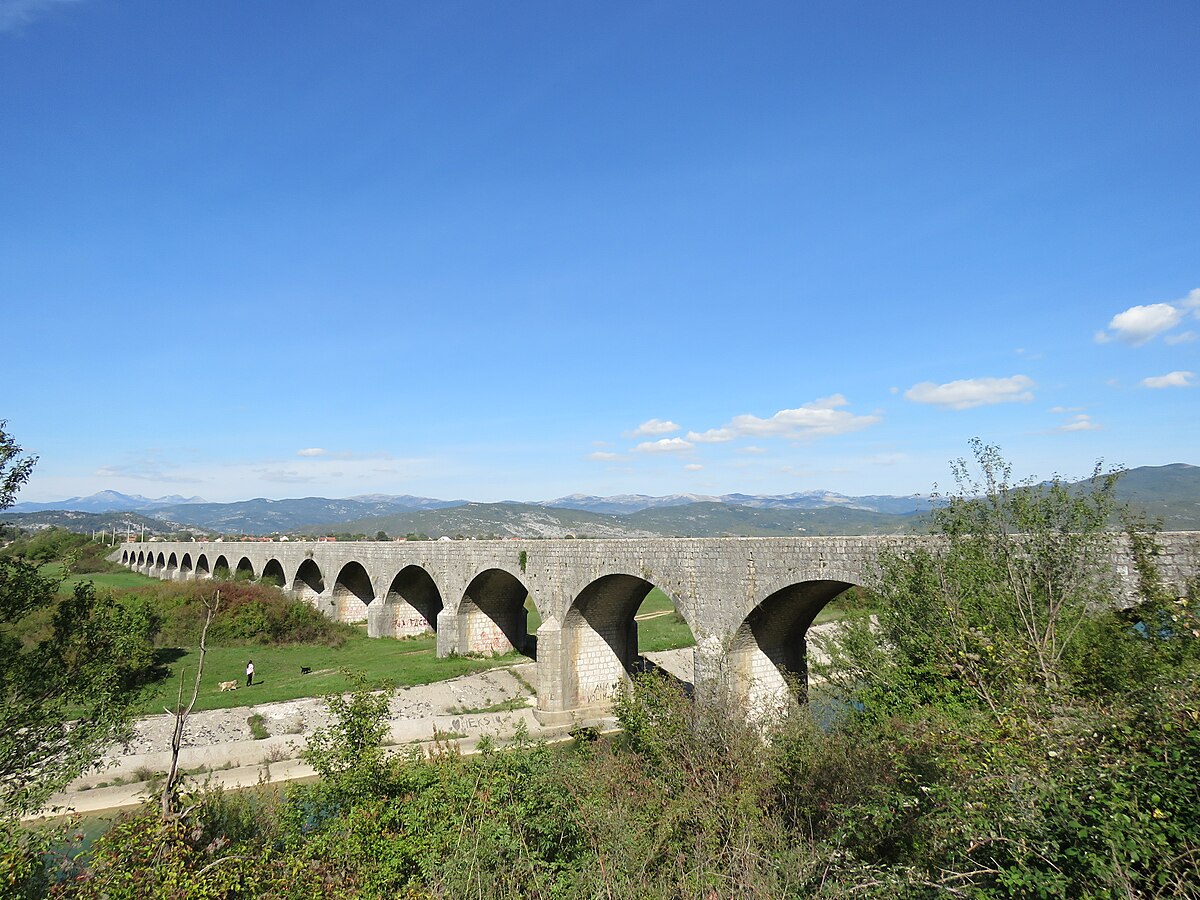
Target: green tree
1046,739
69,688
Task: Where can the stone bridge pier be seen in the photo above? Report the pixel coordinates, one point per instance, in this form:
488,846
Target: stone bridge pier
748,601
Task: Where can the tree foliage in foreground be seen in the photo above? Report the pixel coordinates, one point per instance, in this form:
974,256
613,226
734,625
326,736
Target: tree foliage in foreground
68,689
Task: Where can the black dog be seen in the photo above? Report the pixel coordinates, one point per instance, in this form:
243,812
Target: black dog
306,670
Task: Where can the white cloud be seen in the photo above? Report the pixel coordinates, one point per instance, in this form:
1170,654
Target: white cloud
603,455
1184,337
1141,324
693,467
753,449
654,426
15,13
666,445
1171,379
1080,422
311,451
1063,410
819,418
971,392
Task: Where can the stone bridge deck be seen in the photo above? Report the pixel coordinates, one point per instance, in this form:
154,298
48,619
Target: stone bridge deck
748,601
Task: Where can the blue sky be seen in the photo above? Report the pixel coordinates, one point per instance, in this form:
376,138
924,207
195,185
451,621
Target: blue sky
516,250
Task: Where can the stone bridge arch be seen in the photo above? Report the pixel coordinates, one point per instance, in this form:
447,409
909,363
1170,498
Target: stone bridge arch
489,616
308,583
272,573
411,605
593,648
353,592
766,659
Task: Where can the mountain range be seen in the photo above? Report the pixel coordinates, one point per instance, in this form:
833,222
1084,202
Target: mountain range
1169,493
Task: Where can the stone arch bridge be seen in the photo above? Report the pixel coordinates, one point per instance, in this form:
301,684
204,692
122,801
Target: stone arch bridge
748,601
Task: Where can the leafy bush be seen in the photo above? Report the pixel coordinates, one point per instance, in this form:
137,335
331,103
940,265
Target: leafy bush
250,614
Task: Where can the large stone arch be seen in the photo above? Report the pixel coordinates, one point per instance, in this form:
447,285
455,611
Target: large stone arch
490,617
766,660
186,566
245,569
203,566
141,559
172,570
309,582
273,573
220,567
598,637
352,592
124,557
411,605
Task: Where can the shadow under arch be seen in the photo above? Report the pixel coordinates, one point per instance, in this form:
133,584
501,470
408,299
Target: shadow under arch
220,567
309,583
185,566
203,570
272,573
172,565
599,636
767,661
352,593
492,618
410,607
244,570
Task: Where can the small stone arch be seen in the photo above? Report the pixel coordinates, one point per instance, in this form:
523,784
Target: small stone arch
220,567
272,573
172,565
141,559
161,562
244,570
309,583
410,606
203,569
124,557
186,566
491,616
767,658
352,593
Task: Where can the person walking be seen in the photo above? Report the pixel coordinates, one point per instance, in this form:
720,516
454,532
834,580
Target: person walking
249,673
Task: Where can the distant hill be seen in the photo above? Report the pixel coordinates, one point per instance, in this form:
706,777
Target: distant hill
86,522
1170,494
107,501
262,516
705,519
625,504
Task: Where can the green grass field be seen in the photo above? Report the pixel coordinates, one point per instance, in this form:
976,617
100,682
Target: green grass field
277,670
103,580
